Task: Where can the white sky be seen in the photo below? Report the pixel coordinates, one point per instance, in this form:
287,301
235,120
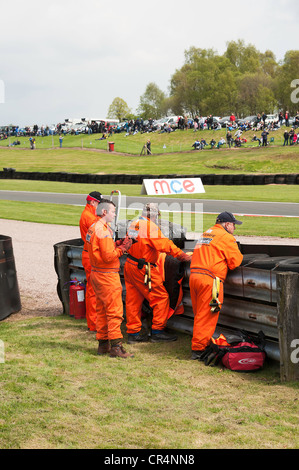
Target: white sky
70,59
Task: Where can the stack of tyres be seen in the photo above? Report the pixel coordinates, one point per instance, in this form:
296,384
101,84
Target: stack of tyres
10,301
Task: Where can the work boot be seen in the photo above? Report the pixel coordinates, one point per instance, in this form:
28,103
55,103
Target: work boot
161,336
137,337
196,355
117,350
104,347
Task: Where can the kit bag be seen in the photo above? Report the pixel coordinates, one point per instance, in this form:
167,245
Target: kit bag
243,354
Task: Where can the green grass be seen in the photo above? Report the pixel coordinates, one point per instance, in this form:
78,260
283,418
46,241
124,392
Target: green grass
271,193
178,141
70,215
177,158
61,214
56,393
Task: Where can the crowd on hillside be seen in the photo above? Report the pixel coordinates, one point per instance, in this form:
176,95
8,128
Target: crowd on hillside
139,125
237,138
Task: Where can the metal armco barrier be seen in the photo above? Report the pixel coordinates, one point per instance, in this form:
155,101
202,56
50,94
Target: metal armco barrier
10,301
254,299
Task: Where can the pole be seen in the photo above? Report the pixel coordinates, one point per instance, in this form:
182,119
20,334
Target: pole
288,325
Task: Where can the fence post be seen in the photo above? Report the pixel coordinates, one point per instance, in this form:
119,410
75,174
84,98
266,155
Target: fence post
288,324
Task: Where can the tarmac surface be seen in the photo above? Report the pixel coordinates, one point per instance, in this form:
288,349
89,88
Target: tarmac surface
277,209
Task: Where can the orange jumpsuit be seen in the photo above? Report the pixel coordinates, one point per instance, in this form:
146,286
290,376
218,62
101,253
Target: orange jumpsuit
104,259
150,241
215,252
88,217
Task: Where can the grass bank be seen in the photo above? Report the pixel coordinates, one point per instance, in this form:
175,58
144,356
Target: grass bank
177,141
169,158
56,393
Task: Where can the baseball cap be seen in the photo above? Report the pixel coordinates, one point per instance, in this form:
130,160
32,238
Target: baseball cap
94,196
228,217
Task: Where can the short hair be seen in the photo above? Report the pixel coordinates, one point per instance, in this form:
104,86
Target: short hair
151,208
104,204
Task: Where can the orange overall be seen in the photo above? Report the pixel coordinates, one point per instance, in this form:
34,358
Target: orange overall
150,241
88,217
104,259
215,252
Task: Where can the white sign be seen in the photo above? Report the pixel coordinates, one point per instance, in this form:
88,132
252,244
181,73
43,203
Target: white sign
165,187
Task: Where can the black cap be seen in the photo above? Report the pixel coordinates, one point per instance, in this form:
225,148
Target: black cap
95,195
228,217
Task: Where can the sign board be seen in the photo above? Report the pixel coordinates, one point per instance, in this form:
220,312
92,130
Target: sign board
166,187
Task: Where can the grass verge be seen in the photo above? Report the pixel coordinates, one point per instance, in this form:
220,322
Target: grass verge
271,193
57,393
69,215
172,154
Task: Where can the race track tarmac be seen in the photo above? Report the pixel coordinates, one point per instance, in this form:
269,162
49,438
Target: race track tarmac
252,208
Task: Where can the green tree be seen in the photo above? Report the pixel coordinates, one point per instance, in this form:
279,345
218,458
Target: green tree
118,109
268,63
255,94
285,83
204,85
245,59
152,102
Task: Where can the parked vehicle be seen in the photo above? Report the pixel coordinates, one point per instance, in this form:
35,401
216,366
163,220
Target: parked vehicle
271,118
224,121
173,121
250,119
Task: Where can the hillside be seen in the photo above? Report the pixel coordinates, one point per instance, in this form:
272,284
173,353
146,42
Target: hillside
171,154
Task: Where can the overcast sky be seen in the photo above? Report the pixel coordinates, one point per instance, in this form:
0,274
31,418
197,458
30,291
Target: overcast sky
70,59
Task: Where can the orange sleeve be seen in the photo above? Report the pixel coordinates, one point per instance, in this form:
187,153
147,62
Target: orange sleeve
151,241
106,245
165,245
88,217
232,253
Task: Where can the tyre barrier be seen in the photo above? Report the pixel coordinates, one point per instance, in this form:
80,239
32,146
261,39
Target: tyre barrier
10,301
259,295
207,179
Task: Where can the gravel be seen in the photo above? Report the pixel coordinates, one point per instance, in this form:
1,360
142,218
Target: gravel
34,258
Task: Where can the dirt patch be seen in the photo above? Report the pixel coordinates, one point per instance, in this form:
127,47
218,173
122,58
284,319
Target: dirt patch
33,247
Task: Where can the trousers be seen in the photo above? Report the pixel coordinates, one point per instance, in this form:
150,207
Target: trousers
205,321
90,298
137,291
109,305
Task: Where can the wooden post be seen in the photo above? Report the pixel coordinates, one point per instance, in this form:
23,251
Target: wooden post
143,150
288,324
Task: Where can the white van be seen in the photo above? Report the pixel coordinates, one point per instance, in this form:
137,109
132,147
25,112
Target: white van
173,121
271,118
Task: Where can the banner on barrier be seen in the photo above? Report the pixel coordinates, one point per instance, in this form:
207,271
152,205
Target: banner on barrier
165,187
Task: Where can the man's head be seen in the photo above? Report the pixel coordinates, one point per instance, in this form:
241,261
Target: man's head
151,211
106,210
94,198
228,221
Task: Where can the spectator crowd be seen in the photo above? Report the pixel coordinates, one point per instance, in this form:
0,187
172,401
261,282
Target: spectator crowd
235,128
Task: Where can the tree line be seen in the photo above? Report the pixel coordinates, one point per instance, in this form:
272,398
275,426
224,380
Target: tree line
242,80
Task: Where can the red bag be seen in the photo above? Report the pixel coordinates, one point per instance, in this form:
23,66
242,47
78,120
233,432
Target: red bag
246,355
